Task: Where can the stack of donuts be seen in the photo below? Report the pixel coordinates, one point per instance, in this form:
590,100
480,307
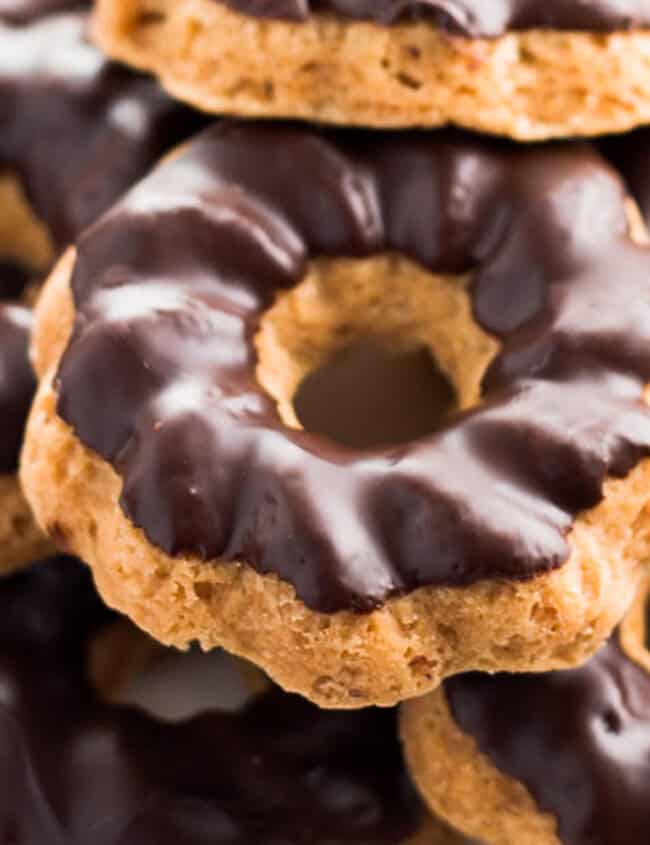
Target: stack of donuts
325,411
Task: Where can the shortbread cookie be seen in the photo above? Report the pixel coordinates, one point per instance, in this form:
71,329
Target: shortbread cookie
75,768
528,70
164,447
78,131
561,758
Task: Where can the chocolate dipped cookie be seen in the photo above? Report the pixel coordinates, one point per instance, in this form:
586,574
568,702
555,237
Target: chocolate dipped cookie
166,450
555,759
76,767
76,131
519,68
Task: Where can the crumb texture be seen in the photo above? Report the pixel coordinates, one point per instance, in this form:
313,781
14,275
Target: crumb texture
342,659
527,85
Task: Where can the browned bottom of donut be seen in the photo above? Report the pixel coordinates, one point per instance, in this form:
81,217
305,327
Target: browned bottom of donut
526,85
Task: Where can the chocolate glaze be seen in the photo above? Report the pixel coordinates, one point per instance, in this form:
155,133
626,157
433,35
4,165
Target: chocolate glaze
77,130
159,375
70,117
578,740
473,18
75,770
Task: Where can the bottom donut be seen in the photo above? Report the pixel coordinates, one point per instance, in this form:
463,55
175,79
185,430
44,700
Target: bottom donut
561,758
77,768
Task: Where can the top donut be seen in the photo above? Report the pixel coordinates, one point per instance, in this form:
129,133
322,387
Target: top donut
519,68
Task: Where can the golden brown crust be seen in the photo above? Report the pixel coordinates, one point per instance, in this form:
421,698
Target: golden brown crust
526,85
462,785
633,629
387,298
338,660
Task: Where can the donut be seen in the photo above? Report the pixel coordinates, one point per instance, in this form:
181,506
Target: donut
75,767
561,758
518,68
75,132
164,448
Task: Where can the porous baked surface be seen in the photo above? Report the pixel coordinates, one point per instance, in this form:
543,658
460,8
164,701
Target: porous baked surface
462,785
387,299
401,650
526,85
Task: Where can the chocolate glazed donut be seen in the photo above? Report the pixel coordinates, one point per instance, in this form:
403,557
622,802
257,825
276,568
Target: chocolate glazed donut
76,130
480,520
71,117
518,68
75,768
565,755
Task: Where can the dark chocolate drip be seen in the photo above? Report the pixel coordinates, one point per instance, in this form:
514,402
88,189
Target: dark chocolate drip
472,18
76,770
77,130
578,740
159,377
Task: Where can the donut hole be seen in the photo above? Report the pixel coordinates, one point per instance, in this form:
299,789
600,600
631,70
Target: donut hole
374,351
125,666
368,395
177,686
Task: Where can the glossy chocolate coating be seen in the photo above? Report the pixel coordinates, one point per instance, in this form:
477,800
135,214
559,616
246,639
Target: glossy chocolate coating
76,770
473,18
578,740
159,376
76,130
